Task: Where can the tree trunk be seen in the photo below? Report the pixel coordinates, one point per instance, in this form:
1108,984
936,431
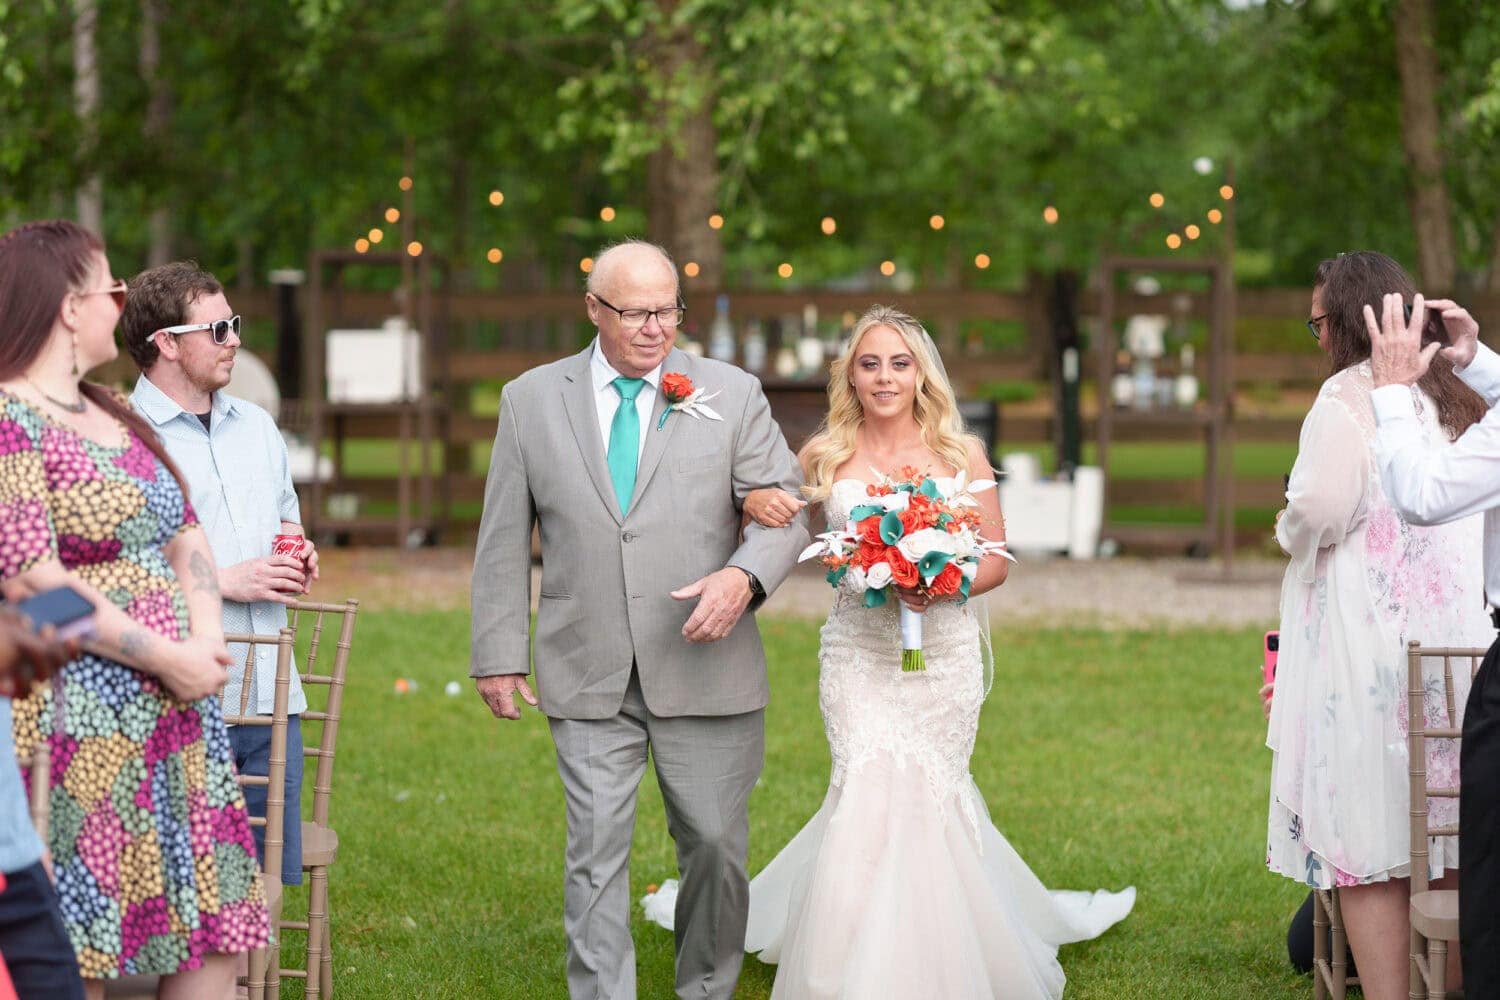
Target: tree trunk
1492,278
158,122
682,176
90,193
1421,134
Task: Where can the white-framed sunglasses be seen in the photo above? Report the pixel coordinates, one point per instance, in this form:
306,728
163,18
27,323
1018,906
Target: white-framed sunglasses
220,328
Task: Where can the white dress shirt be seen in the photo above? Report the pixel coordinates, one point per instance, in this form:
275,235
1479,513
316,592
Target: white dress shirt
1437,486
607,398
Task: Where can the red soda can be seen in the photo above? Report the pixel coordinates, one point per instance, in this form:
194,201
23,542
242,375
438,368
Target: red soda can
288,545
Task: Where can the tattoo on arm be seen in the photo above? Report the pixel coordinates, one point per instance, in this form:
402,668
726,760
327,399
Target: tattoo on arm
203,574
133,643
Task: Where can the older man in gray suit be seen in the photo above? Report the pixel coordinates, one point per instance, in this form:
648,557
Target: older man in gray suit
639,640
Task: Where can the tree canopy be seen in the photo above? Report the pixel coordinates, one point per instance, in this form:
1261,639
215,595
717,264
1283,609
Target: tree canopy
1037,131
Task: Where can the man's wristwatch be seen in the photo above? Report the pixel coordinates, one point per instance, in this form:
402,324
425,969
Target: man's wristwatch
756,590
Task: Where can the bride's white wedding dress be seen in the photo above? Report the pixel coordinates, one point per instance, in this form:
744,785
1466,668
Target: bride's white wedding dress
900,885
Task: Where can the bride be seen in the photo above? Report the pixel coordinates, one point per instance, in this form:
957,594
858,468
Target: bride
900,885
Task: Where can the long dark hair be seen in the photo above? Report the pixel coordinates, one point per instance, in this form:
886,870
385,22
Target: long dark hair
40,263
1351,281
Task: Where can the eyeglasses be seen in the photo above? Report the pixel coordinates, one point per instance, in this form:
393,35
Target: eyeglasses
1312,325
221,329
633,319
116,291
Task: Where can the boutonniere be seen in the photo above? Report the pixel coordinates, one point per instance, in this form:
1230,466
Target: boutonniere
681,395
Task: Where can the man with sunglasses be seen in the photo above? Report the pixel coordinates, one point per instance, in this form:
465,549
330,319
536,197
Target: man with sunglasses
182,334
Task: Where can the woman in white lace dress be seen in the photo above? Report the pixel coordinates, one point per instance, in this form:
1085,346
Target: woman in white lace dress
900,886
1361,582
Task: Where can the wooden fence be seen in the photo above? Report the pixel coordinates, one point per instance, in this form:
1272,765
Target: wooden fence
536,327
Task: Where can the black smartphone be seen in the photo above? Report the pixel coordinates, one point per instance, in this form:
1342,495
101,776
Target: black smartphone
1433,330
64,608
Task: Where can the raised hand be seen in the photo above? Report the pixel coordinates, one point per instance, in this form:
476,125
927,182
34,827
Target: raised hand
1463,332
499,693
1397,356
773,507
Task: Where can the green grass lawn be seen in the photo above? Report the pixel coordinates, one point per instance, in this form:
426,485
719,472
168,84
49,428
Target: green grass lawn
1107,759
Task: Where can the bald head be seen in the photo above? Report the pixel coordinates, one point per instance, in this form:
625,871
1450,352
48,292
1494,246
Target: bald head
629,262
630,276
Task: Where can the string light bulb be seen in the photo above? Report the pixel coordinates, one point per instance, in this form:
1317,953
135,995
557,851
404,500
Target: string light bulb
1215,216
376,235
981,260
414,249
361,245
497,197
716,221
393,215
690,269
1049,215
785,270
586,265
1157,199
887,267
607,213
1173,241
404,183
828,225
1226,192
937,222
1191,231
495,255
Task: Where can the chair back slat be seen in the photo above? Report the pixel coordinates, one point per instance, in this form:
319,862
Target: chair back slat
274,781
311,616
1418,733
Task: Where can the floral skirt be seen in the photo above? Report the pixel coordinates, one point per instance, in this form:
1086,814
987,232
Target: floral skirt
1288,854
150,841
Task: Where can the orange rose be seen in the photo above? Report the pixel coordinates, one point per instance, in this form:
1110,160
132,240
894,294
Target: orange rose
947,581
676,386
869,530
868,555
903,571
911,520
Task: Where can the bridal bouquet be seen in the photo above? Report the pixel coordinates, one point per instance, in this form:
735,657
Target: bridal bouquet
913,532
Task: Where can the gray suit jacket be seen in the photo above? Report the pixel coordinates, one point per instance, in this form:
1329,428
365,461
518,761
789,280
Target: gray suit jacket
606,578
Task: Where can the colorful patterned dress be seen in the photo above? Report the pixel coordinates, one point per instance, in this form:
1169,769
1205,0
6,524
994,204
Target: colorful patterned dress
149,836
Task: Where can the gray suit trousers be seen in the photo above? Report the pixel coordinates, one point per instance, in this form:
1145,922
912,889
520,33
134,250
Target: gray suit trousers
706,766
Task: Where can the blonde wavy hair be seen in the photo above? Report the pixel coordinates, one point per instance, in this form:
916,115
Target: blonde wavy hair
935,408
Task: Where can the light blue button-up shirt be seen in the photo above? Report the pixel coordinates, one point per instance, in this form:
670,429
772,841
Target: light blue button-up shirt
241,487
19,846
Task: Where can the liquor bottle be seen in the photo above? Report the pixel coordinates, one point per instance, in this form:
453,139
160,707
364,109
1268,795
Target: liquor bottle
1121,389
1186,388
753,350
721,333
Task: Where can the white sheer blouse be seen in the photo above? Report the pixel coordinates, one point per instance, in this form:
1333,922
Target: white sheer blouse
1360,583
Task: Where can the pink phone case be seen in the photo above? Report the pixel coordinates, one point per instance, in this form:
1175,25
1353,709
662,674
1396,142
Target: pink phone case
1271,645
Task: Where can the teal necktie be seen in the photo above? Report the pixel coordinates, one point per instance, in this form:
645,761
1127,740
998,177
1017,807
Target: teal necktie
625,440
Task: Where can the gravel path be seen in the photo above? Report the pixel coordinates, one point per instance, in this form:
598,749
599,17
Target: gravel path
1115,593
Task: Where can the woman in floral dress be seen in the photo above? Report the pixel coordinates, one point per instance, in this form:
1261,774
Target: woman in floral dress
149,837
1361,582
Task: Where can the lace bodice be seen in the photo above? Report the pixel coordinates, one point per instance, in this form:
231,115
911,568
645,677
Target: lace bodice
871,707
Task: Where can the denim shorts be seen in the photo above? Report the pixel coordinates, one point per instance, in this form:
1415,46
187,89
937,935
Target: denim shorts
252,755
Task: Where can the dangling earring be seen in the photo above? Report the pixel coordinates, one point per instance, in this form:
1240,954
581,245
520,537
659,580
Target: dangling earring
75,353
